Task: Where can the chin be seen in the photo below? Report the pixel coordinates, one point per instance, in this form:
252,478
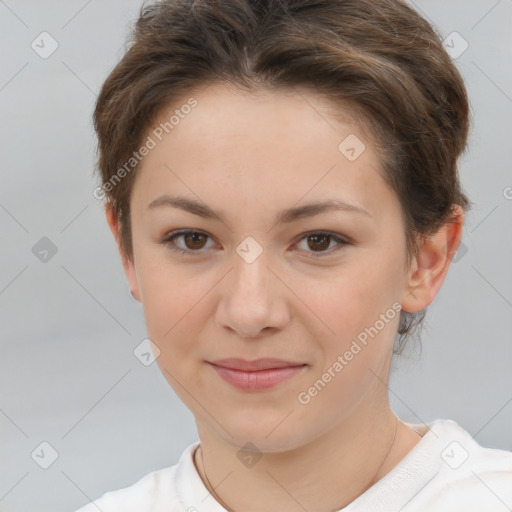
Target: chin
270,435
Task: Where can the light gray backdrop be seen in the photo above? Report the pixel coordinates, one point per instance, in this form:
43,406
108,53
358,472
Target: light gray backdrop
68,375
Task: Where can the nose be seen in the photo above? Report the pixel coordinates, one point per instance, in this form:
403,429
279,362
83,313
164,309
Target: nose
253,299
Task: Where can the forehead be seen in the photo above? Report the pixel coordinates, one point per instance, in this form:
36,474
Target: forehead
225,112
268,146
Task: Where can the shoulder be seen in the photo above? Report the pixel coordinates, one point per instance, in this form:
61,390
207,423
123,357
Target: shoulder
470,475
154,492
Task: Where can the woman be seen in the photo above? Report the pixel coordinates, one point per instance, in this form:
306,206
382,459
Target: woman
281,180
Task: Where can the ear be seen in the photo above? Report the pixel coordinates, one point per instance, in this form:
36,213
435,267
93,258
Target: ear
430,266
128,265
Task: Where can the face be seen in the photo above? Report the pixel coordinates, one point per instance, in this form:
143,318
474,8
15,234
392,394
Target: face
249,282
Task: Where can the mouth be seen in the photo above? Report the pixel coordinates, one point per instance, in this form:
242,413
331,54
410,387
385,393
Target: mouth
256,375
256,365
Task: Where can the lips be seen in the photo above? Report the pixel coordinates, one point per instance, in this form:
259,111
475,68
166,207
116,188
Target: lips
256,365
258,375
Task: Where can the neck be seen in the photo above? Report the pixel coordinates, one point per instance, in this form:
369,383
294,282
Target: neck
346,461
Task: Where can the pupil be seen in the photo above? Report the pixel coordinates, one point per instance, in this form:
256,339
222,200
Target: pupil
194,237
324,237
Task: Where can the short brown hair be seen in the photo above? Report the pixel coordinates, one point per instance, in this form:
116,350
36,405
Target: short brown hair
378,57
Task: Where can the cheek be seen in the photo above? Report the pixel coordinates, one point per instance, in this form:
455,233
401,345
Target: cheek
347,298
172,322
172,303
350,307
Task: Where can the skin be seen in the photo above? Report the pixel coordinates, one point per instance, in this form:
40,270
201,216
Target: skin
249,156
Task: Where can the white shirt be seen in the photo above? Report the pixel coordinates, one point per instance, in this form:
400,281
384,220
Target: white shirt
447,471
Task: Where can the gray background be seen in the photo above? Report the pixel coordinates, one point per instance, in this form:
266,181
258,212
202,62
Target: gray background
69,326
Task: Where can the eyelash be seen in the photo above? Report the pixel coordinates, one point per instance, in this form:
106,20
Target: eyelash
168,241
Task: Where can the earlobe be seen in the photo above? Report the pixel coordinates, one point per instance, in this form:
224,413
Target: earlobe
128,265
430,266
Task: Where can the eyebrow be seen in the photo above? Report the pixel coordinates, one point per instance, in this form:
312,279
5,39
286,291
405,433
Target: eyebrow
282,217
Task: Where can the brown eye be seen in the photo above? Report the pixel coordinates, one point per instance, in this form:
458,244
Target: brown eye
192,242
318,243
